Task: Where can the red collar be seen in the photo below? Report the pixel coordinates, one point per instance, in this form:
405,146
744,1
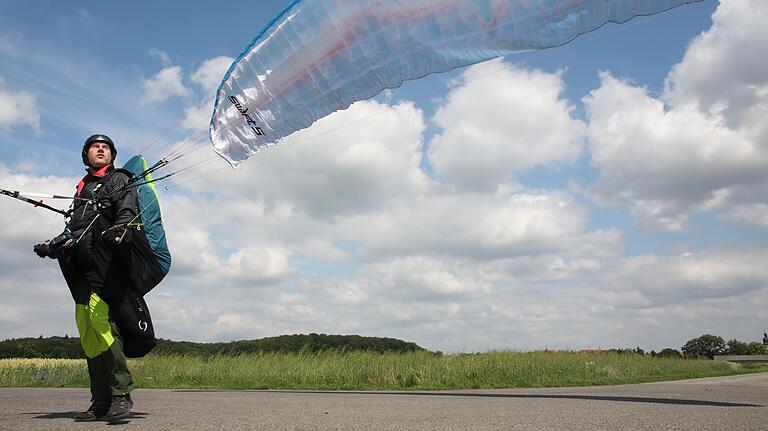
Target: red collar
100,173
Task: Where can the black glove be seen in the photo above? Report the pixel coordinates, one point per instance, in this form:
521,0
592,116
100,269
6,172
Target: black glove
42,250
58,246
116,235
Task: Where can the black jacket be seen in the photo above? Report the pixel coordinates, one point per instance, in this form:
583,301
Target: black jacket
118,207
100,204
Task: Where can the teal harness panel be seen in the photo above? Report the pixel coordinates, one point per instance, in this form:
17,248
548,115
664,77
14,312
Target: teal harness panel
149,213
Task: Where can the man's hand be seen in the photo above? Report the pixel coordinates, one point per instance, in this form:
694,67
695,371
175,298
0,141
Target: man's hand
56,247
42,250
116,235
59,246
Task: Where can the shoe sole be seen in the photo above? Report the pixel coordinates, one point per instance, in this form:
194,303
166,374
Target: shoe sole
118,417
94,419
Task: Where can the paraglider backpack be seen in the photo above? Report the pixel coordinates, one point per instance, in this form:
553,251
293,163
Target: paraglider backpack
149,263
151,259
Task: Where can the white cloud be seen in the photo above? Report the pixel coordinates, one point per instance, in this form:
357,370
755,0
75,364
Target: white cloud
421,314
208,76
647,281
664,163
257,265
723,72
189,227
348,171
542,269
707,147
211,72
369,191
419,276
347,292
23,216
198,117
756,214
163,56
479,226
18,108
495,128
166,84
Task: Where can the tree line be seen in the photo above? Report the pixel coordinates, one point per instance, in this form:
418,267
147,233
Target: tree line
705,346
708,345
70,348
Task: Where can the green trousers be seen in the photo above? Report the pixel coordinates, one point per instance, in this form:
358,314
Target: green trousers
103,346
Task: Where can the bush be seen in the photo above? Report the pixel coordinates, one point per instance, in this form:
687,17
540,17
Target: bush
669,353
736,347
755,348
706,346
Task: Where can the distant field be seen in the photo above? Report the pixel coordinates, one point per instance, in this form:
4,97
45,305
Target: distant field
374,371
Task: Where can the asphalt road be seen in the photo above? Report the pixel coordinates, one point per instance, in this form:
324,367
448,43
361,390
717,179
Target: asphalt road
722,403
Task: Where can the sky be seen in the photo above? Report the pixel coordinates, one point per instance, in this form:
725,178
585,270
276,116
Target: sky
612,192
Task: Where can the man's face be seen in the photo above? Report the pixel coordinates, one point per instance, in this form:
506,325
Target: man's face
99,155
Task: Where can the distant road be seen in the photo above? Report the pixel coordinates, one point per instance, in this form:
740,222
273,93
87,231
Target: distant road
721,403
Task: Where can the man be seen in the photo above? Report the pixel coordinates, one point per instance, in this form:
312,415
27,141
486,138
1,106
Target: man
91,254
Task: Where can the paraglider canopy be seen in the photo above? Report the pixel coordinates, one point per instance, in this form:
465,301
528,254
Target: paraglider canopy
317,57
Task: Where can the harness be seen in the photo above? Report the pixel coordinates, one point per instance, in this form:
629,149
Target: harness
100,203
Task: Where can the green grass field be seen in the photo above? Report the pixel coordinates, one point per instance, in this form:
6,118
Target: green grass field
373,371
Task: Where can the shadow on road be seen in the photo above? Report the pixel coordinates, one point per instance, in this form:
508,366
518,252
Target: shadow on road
651,400
71,415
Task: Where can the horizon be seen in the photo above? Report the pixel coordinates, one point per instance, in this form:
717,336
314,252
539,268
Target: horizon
509,348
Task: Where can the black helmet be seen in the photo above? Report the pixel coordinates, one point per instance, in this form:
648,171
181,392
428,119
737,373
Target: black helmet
98,138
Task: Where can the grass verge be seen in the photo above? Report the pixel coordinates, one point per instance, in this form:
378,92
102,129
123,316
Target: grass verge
373,371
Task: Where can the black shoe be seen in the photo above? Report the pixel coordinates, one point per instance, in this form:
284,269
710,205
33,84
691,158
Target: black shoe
96,411
120,408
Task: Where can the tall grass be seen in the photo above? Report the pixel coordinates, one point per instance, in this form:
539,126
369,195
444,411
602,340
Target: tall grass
43,372
331,370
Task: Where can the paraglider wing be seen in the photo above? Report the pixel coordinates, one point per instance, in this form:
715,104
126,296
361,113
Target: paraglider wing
320,56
